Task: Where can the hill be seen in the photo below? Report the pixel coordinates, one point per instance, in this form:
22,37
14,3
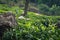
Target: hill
33,27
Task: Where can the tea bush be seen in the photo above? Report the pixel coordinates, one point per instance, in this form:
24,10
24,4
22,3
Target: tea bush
38,27
35,29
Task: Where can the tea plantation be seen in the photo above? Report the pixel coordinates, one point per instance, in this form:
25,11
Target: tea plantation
33,27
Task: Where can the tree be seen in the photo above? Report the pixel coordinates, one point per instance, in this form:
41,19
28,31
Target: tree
50,2
26,7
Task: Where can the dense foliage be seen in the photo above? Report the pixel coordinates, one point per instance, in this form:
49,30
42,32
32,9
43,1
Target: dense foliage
54,10
47,2
47,7
33,27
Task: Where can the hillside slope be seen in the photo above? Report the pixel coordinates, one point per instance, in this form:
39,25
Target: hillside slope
33,27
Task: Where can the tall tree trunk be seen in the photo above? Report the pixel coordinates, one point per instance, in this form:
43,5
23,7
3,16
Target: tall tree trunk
26,7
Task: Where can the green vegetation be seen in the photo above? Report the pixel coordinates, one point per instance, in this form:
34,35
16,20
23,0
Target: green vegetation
33,27
54,10
47,7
